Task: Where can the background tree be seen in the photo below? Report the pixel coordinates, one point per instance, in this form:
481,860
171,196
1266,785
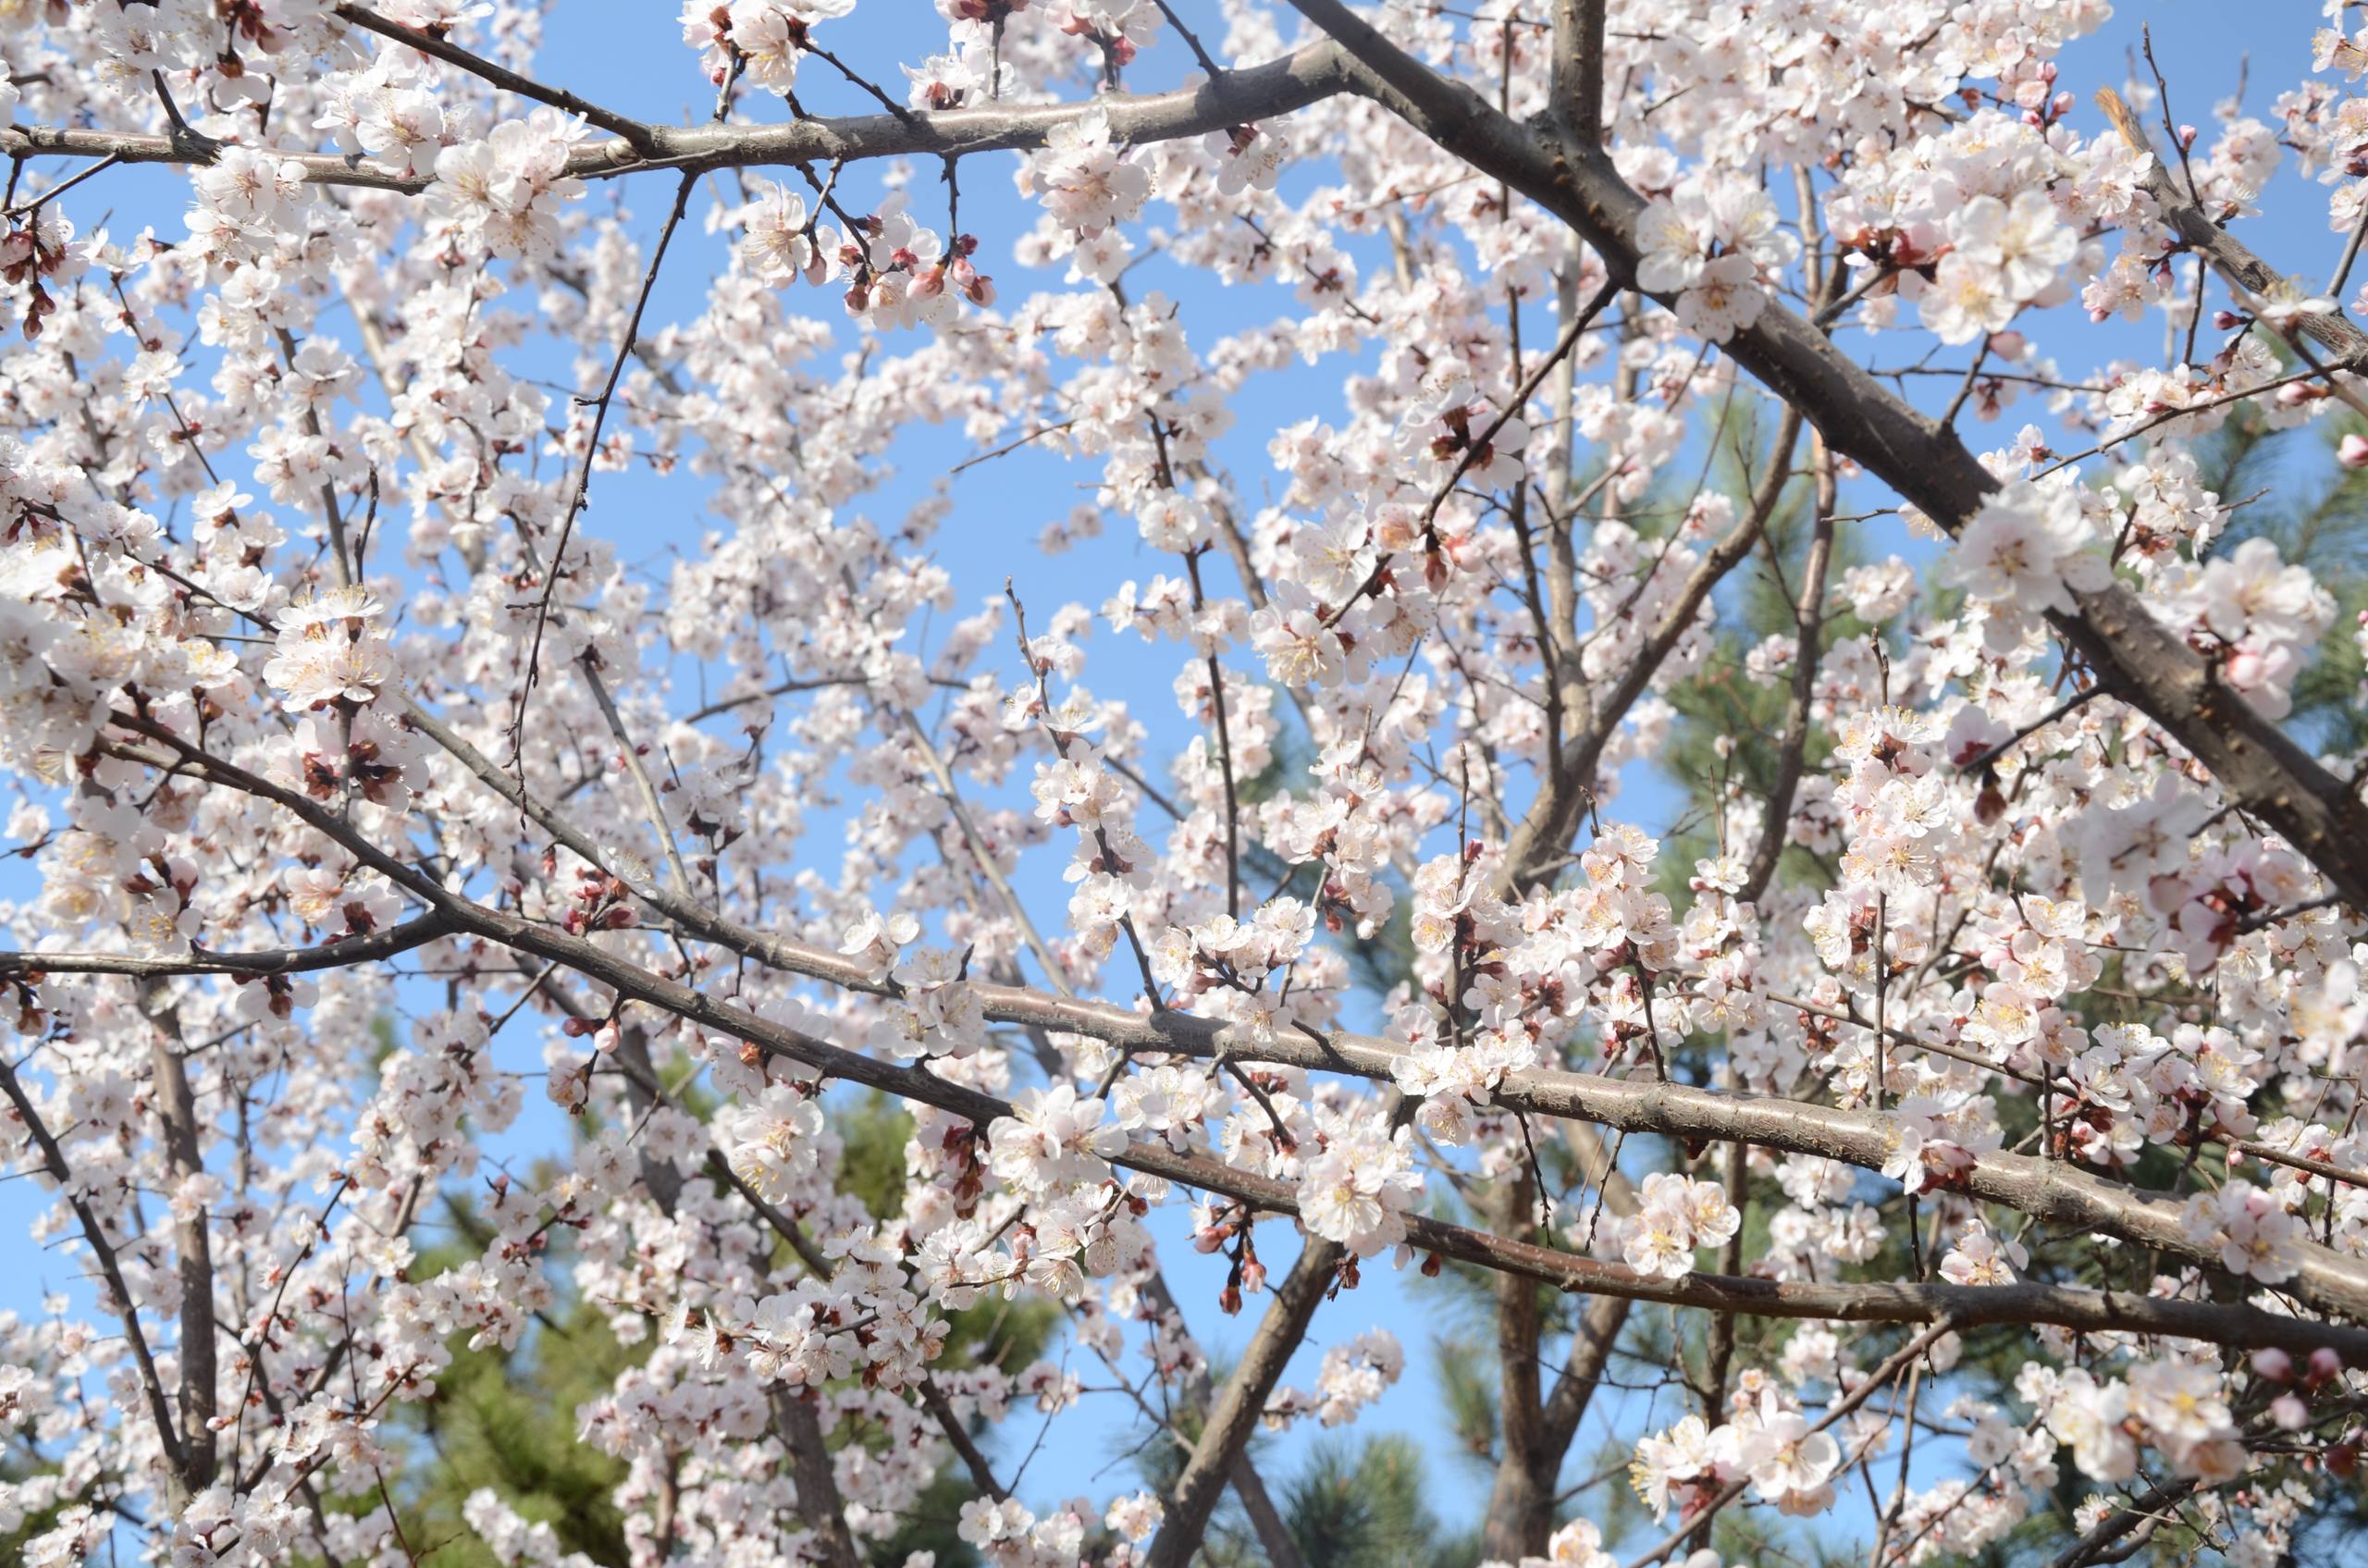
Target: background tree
1753,824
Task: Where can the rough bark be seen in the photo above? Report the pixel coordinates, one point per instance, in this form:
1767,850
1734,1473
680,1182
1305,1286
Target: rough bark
2256,764
1197,1394
1520,1502
176,1109
1241,1403
818,1488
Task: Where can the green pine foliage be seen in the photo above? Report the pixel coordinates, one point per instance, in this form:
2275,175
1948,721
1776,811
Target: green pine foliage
1350,1503
1361,1505
507,1420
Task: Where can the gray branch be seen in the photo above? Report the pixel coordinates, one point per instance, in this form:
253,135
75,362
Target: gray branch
2258,766
1254,94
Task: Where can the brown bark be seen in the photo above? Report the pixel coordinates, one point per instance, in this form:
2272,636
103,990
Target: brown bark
1241,1403
2256,764
1197,1394
176,1109
1521,1503
818,1487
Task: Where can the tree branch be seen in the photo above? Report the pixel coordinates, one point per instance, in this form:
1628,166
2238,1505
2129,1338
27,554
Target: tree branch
1544,834
1808,618
500,76
119,1299
2047,1189
369,948
819,1502
1251,93
193,1245
1578,71
2256,764
1243,1405
2251,277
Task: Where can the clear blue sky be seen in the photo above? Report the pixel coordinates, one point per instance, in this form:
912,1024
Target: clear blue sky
628,55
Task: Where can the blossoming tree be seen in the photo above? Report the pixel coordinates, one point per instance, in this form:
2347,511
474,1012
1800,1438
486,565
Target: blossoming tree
1993,1003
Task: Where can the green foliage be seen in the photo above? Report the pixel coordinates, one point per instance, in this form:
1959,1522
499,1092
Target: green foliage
1727,738
874,1127
1468,1386
931,1525
507,1420
1003,1334
1363,1506
1385,961
16,1469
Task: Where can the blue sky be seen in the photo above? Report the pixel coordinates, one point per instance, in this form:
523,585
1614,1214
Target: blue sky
628,55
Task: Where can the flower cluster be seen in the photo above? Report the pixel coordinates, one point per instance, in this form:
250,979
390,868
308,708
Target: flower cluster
1353,1375
1712,246
1676,1218
503,194
897,924
1771,1444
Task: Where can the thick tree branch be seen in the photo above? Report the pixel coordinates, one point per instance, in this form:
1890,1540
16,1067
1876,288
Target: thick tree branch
1253,94
1577,84
1521,1500
2258,767
369,948
2252,279
819,1502
1243,1402
1266,1519
184,1149
1600,1325
2046,1190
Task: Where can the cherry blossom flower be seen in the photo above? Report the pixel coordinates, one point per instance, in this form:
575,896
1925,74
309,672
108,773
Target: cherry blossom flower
2028,549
